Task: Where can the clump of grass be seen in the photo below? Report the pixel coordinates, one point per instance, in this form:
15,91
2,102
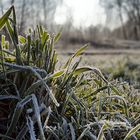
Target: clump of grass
37,101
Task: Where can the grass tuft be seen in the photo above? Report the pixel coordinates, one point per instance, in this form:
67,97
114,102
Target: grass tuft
39,101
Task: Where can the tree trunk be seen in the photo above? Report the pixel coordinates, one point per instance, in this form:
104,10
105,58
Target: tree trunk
12,2
45,11
123,27
22,22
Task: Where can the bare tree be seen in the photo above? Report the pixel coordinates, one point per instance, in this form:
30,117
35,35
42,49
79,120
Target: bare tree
1,6
129,9
49,9
45,11
32,11
117,6
22,21
12,2
132,9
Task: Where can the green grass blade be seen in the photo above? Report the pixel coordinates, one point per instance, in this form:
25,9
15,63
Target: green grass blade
72,130
31,128
16,115
14,39
38,83
132,131
8,97
57,37
6,137
124,102
22,39
37,113
29,50
87,69
83,133
78,52
101,133
4,18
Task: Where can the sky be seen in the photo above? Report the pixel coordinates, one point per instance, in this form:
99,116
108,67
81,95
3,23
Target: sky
84,12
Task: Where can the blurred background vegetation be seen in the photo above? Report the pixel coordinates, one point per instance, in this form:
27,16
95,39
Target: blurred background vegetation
126,25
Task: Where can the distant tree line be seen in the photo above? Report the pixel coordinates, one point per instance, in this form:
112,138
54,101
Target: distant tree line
32,12
128,12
